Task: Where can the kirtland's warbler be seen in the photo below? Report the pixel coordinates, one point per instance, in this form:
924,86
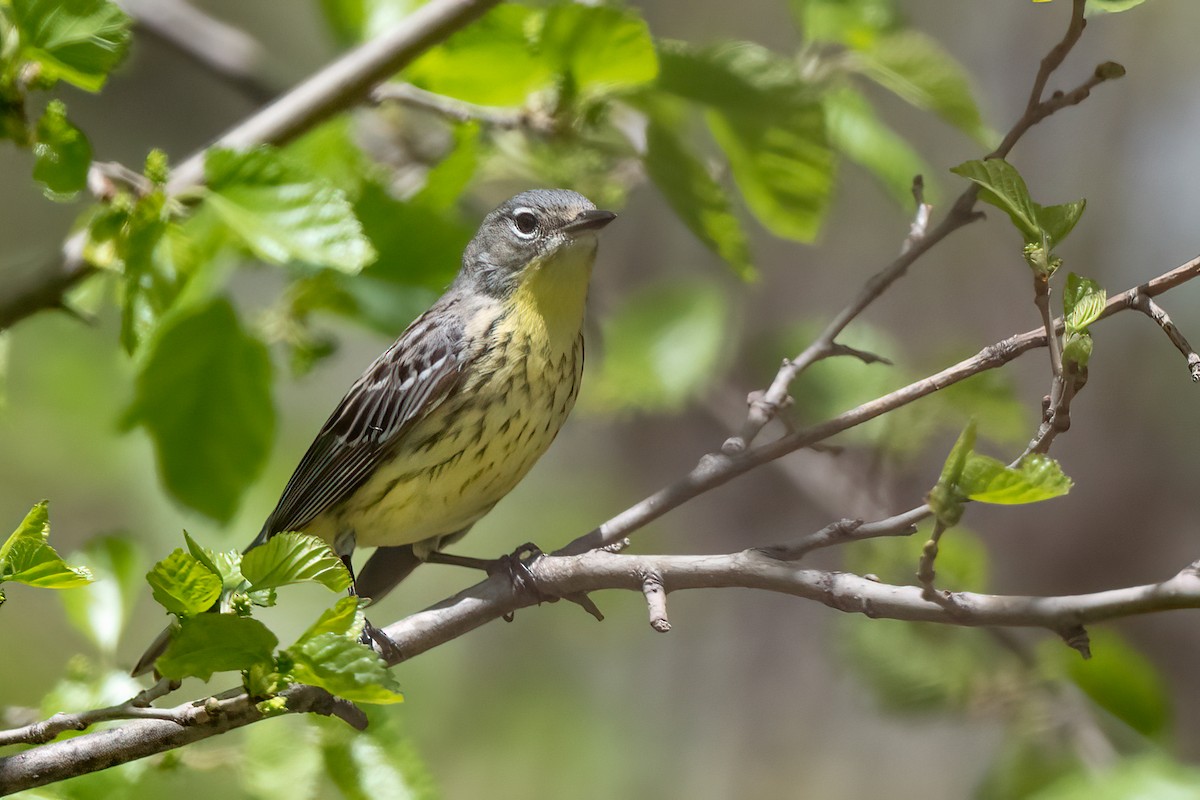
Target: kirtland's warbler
450,417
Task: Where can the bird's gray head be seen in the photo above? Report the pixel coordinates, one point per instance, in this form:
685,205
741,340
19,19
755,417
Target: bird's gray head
529,230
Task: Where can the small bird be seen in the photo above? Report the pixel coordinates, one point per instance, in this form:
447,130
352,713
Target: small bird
451,417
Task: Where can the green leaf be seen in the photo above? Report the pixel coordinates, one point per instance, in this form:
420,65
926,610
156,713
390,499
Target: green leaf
283,213
600,47
78,41
209,643
1145,777
490,61
226,564
857,132
1077,349
354,21
1003,187
343,618
736,77
699,201
1058,221
1111,6
102,612
946,498
204,396
27,557
1083,302
854,23
1036,477
1117,678
447,180
63,154
345,668
288,558
661,349
183,585
917,69
783,167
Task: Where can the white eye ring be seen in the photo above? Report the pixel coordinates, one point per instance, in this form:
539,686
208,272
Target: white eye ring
524,223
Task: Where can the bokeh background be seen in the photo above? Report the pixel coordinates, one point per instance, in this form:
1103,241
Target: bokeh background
750,695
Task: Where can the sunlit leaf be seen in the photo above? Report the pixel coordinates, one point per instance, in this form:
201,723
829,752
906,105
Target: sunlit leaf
1036,477
1143,777
599,46
288,558
27,557
63,154
204,396
946,497
854,23
78,41
283,213
699,201
1058,221
1002,186
738,77
343,618
208,643
1083,302
183,585
344,667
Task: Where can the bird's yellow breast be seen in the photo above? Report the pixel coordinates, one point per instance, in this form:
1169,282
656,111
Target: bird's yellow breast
524,362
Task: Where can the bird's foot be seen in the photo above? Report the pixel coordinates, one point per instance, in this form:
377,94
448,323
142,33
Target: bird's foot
381,643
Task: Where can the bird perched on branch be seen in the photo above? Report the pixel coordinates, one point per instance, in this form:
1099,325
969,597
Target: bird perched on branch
452,416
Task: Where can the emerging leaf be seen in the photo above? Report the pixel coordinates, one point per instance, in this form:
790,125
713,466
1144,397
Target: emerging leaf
343,618
63,153
27,557
1003,187
282,213
78,41
946,498
344,667
183,585
1036,477
209,643
1083,302
294,558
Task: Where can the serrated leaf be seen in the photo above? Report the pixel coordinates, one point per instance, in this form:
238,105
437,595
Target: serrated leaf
204,396
102,612
345,668
918,70
1003,187
283,213
489,62
63,154
662,348
600,47
78,41
1036,477
341,619
288,558
183,585
737,77
783,167
946,498
209,643
857,132
1083,302
699,201
27,557
1117,678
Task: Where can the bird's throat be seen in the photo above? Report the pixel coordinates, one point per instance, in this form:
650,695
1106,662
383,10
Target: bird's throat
553,294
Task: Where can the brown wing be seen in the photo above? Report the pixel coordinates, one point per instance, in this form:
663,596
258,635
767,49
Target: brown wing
412,377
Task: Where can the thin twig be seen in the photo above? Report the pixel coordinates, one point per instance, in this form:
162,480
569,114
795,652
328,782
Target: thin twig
656,601
461,111
849,530
1155,312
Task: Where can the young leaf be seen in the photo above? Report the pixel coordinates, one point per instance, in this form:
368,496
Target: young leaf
101,613
1077,349
946,498
1058,221
204,396
1002,186
26,557
1036,477
783,167
78,41
699,201
294,558
857,132
917,69
1083,302
63,154
341,619
224,563
344,667
183,585
282,213
661,349
209,643
600,47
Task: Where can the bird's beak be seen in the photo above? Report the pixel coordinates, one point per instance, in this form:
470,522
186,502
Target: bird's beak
593,219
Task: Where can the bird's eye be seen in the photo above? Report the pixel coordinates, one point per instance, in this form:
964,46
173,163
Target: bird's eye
525,222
